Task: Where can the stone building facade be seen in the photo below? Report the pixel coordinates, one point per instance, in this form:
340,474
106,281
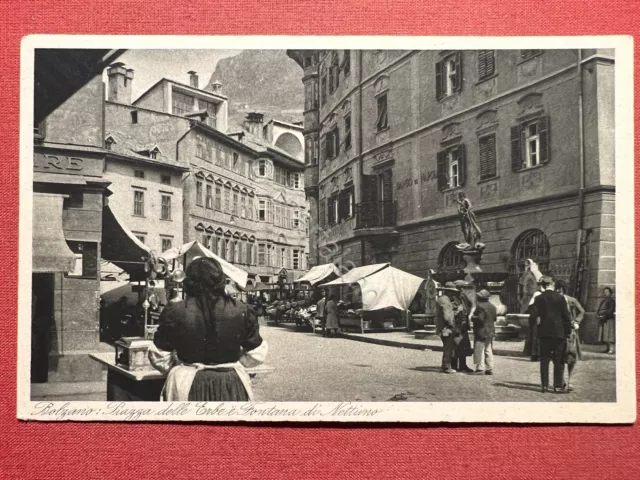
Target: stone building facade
392,137
237,194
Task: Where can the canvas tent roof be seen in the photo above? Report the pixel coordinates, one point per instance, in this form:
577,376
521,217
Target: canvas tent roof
355,274
319,273
196,249
387,288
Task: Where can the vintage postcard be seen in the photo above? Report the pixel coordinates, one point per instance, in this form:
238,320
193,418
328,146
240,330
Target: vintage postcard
344,229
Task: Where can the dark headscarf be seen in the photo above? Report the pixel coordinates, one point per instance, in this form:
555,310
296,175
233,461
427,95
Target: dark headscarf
205,282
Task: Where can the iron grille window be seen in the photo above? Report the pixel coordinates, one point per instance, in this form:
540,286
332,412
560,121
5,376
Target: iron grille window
451,259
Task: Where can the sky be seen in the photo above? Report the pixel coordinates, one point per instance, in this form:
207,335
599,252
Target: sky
152,65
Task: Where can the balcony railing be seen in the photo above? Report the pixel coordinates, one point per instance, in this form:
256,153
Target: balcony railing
376,214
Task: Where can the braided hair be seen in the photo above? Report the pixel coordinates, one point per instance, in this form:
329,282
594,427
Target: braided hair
205,282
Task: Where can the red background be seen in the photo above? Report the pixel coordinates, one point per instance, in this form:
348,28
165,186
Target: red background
83,451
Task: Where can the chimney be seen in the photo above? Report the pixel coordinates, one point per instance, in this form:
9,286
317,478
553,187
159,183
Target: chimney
193,79
120,81
253,123
216,86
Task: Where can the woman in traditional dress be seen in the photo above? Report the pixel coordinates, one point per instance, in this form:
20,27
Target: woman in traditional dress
331,312
529,283
206,341
606,315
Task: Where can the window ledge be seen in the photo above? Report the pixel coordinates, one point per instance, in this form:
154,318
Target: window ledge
451,189
486,79
166,220
524,60
526,169
382,130
446,98
138,216
487,180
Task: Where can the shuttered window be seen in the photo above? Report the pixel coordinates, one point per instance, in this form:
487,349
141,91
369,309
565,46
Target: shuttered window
530,143
451,167
487,147
486,64
449,75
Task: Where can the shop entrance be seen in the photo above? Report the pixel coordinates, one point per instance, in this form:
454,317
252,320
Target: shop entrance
43,325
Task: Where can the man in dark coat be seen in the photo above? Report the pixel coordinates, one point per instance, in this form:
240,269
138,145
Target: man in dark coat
484,330
554,327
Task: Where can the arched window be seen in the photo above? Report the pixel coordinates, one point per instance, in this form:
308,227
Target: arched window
531,244
451,259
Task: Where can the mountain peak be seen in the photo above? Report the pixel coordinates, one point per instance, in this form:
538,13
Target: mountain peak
265,81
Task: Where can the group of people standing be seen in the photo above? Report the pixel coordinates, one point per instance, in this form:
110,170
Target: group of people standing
454,310
554,322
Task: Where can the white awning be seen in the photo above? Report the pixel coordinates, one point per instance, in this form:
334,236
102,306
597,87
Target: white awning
50,250
319,273
196,249
388,288
353,275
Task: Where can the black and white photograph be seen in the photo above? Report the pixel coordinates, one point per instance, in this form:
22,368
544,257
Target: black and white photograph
327,229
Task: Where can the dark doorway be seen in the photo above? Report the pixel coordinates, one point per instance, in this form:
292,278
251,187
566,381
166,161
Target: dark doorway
42,325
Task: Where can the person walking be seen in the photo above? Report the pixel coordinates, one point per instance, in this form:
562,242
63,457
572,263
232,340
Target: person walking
484,331
572,352
445,325
606,314
331,315
204,343
320,313
554,327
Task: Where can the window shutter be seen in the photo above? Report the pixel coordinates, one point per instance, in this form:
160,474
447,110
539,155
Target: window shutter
387,190
516,148
370,188
462,164
491,62
488,157
458,78
323,146
321,213
438,80
482,64
441,170
543,132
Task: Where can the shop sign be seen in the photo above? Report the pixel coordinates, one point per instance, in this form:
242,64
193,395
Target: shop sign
69,165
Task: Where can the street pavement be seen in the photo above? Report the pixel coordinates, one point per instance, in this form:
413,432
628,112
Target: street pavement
309,367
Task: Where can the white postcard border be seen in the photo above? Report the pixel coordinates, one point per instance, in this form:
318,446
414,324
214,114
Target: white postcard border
621,411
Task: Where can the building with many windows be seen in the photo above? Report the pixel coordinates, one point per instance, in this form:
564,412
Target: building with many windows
392,137
180,177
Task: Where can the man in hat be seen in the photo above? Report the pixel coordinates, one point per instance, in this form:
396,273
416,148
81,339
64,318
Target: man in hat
484,330
452,325
445,325
554,327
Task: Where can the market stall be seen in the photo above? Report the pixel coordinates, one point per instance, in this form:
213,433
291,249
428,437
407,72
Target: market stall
375,297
